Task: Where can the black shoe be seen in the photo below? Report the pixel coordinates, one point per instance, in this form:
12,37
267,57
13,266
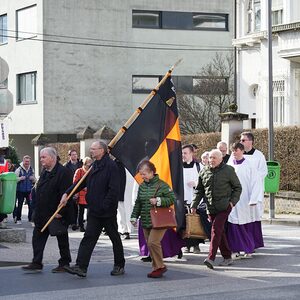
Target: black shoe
146,259
76,270
82,229
180,255
117,271
33,267
74,227
59,269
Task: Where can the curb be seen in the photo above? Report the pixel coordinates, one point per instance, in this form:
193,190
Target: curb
281,222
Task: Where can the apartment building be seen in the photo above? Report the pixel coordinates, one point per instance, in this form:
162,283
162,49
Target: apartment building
252,61
77,63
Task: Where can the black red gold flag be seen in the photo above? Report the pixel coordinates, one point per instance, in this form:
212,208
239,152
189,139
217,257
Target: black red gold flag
155,135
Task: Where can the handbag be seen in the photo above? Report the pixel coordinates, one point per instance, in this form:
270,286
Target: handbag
194,228
57,227
162,217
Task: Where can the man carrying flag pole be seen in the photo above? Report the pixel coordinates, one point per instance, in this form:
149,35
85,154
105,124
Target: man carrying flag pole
153,133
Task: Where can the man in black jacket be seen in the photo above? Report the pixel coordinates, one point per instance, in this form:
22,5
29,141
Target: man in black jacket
103,188
73,164
52,183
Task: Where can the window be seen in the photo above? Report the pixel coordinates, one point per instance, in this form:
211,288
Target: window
179,20
26,22
257,15
26,88
184,84
210,85
253,16
278,101
3,29
146,19
277,17
144,84
210,21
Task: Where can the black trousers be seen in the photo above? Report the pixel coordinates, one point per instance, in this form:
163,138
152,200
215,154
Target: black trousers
92,232
19,205
75,211
39,240
81,214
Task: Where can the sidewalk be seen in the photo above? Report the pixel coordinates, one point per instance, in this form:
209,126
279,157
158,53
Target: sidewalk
282,219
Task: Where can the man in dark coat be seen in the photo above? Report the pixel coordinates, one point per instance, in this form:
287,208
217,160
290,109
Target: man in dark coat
73,164
53,182
103,188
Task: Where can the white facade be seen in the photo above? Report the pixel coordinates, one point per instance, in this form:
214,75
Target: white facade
252,61
83,55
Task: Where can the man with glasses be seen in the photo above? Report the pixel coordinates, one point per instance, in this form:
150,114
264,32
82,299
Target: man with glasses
258,161
103,188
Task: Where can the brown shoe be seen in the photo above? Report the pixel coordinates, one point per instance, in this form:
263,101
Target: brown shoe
33,267
59,269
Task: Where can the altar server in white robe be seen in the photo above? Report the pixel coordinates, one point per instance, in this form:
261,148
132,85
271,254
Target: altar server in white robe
244,231
258,160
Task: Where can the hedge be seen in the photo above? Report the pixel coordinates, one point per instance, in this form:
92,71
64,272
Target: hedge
286,150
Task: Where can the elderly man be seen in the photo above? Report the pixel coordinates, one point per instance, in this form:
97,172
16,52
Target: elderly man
222,146
103,188
51,185
26,179
222,188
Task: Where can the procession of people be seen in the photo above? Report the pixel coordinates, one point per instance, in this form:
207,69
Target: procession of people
224,185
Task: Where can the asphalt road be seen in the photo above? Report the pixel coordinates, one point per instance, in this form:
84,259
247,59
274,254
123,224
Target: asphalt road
273,273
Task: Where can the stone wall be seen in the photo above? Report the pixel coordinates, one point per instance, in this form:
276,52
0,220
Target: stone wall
285,202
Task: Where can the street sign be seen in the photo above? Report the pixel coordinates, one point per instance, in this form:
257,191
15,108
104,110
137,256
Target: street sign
3,134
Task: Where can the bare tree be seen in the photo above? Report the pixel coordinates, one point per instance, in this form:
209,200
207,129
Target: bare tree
212,94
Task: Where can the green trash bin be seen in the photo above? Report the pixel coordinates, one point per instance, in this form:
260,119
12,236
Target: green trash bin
8,189
272,180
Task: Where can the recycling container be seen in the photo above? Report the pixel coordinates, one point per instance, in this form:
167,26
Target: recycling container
8,189
272,180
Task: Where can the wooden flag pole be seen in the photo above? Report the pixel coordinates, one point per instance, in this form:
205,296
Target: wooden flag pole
69,196
144,104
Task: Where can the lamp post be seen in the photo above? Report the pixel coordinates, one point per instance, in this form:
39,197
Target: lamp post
6,103
270,96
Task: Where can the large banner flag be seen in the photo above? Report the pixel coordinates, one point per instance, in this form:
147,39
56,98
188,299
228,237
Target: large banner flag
153,133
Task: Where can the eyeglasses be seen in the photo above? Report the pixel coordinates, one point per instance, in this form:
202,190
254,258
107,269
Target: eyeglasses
95,148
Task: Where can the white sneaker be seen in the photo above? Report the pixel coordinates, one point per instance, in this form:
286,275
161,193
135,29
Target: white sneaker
19,222
5,220
247,255
226,262
3,225
236,256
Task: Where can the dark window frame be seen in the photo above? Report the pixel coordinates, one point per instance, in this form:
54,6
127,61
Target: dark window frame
144,91
226,16
147,12
166,16
24,101
3,38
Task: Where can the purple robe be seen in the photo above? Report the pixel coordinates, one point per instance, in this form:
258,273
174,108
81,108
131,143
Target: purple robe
171,243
